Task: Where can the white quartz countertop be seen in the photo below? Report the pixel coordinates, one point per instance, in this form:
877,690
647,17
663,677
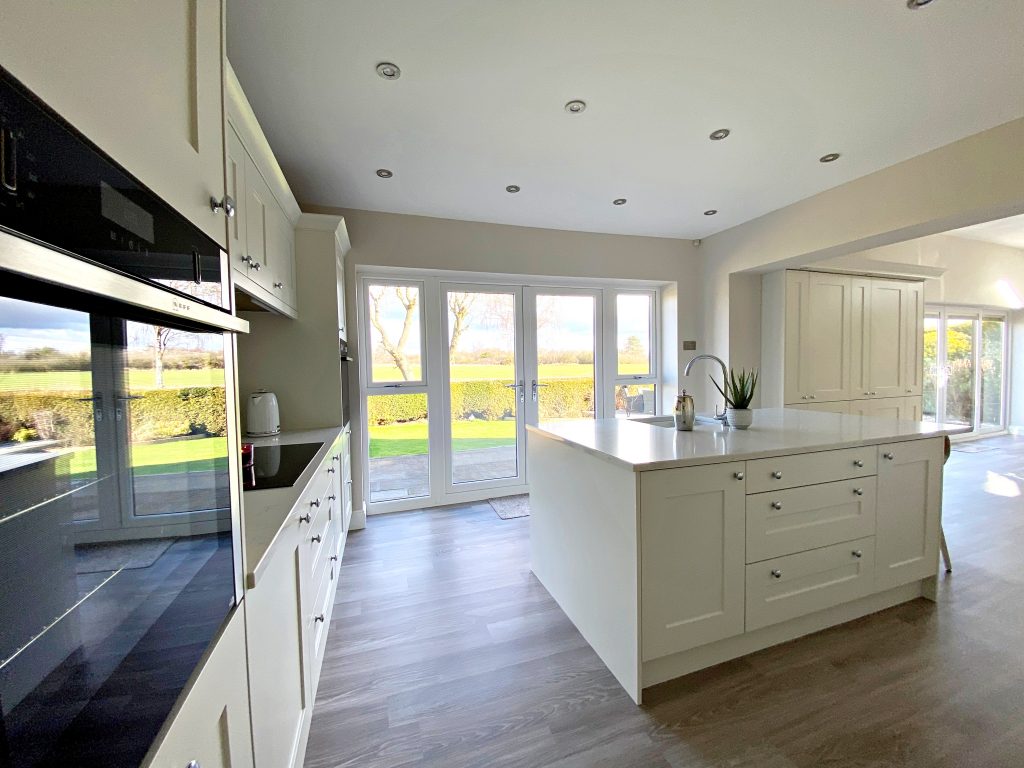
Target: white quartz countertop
775,432
264,512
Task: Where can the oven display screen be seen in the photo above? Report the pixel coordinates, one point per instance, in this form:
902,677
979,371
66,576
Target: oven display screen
119,209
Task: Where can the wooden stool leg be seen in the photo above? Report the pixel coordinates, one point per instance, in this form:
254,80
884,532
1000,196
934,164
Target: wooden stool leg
945,551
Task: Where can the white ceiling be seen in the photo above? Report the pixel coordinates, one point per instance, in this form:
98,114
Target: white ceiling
1008,231
480,101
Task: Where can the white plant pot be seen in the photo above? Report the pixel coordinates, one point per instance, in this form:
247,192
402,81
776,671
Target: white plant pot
739,418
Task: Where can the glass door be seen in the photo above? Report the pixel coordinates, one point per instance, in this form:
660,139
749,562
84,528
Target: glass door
485,386
965,352
563,354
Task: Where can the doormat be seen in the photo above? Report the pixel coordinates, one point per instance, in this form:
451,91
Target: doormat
511,507
972,448
111,555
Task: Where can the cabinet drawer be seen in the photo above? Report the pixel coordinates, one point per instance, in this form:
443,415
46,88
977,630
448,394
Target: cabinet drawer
319,619
810,468
795,585
796,519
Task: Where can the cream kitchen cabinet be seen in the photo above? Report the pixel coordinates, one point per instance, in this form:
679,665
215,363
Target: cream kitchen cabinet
908,408
817,337
289,603
692,531
262,239
158,111
909,511
212,727
835,338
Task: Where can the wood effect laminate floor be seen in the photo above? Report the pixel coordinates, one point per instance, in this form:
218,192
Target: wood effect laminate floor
446,651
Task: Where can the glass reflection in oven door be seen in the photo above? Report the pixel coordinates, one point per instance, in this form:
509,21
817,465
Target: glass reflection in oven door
116,561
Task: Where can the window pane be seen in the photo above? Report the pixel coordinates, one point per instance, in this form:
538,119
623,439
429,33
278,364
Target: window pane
960,370
633,400
482,378
394,314
565,357
398,467
633,319
931,367
991,395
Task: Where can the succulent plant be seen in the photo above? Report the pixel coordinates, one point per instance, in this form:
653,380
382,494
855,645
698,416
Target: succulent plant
739,388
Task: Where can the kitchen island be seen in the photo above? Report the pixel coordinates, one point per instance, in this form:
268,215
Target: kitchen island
674,551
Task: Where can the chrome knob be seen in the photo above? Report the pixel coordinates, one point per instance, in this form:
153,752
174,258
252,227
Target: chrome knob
858,463
304,518
776,505
888,455
777,475
738,475
246,259
867,394
256,265
319,618
227,205
279,285
812,397
193,764
803,397
857,553
334,558
330,470
776,573
859,491
317,539
315,503
335,458
332,497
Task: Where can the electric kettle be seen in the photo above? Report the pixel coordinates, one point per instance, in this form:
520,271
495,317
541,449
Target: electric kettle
263,416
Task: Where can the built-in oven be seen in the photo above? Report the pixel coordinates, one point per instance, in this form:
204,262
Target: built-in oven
346,359
120,554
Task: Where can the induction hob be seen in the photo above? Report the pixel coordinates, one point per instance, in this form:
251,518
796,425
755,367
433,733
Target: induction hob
277,466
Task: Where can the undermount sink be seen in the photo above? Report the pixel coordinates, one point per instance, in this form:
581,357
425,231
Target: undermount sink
669,423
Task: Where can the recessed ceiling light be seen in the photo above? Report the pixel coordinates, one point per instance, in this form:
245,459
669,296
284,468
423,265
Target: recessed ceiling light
575,106
710,212
389,71
513,188
718,135
619,201
384,173
831,157
915,4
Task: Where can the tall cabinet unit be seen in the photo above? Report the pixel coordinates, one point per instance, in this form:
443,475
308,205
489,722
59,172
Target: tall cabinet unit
158,110
843,344
261,235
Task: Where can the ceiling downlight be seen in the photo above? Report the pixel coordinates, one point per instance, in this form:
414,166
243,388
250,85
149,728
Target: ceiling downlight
619,201
576,106
720,134
831,157
389,71
512,188
915,4
384,173
710,211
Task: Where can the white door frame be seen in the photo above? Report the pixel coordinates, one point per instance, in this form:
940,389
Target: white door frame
519,481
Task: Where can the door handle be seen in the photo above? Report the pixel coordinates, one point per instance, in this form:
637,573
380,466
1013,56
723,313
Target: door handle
521,386
535,385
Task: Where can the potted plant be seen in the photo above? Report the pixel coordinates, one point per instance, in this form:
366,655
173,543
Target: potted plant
738,393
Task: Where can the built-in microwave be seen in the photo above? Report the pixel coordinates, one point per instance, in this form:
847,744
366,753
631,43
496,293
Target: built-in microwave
120,556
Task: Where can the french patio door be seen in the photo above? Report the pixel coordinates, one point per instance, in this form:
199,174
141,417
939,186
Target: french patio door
965,352
484,387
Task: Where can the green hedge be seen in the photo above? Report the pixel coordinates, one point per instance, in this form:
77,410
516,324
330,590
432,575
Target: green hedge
157,413
489,400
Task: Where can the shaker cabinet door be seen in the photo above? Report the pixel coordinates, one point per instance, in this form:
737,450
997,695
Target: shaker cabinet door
909,511
886,348
825,354
236,159
693,530
212,726
144,81
913,378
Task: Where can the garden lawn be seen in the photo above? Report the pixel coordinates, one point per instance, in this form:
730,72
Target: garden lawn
174,456
410,437
478,372
138,378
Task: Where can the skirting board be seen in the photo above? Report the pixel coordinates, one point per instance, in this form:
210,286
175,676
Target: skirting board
679,664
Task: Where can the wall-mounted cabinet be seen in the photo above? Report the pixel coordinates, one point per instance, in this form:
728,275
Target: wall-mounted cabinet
832,338
261,239
144,81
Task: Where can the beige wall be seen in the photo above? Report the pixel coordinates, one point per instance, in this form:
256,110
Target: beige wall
976,179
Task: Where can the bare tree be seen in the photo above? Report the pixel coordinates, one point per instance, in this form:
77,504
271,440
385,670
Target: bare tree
2,340
459,304
408,297
162,338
